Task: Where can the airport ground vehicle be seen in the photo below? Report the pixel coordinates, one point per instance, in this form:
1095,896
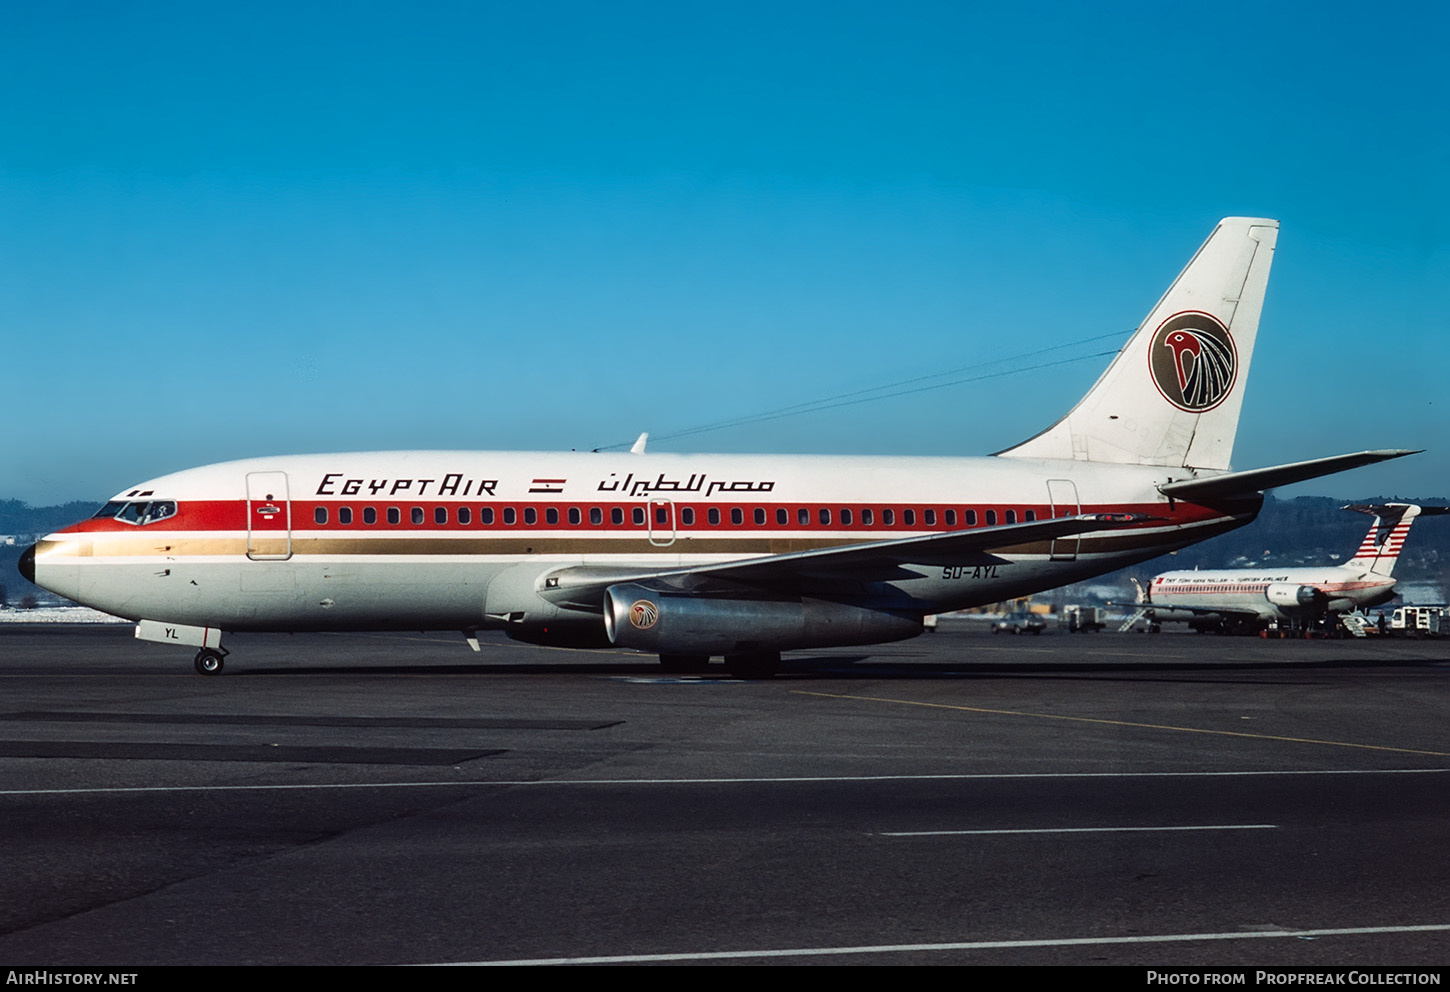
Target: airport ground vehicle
1020,622
1083,619
1420,621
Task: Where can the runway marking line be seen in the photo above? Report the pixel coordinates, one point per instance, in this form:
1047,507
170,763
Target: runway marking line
757,780
1076,830
1120,723
972,945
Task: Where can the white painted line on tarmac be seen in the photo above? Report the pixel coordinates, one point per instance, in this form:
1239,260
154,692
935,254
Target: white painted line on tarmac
1077,830
975,945
758,780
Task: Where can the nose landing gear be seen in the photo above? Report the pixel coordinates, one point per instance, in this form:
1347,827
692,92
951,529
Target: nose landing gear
209,661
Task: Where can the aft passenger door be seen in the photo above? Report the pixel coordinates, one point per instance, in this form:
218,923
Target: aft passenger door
1062,497
269,517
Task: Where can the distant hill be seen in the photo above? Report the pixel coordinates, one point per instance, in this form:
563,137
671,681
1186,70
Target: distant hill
20,518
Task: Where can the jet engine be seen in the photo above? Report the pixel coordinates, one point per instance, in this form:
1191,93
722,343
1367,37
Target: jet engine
671,623
1288,596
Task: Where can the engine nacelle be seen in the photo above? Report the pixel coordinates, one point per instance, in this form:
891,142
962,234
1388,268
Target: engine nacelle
676,623
1288,596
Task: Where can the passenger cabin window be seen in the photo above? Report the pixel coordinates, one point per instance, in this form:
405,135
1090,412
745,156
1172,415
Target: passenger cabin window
928,517
440,515
845,517
616,516
485,515
551,515
714,516
370,515
394,515
687,516
531,515
1011,516
416,516
971,518
782,516
596,516
759,516
1030,516
825,515
737,516
344,514
991,518
803,517
951,518
637,515
319,515
465,515
908,517
888,517
510,516
867,518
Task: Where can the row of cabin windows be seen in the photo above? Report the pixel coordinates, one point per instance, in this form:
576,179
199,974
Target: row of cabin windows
845,517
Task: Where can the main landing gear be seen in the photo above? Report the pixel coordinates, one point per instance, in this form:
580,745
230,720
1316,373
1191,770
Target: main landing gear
209,661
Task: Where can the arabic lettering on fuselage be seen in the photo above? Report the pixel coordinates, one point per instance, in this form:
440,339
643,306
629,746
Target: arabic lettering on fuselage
696,483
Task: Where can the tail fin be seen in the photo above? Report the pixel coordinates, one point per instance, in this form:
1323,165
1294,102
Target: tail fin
1380,548
1172,396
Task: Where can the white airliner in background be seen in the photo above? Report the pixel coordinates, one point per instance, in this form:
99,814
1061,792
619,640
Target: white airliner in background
693,556
1253,597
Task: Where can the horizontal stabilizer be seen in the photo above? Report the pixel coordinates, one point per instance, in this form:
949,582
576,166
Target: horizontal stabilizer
1256,480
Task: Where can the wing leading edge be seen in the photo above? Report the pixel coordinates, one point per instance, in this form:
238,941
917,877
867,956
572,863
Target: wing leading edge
582,586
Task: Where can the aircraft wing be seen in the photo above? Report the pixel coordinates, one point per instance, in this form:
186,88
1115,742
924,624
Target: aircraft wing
1258,479
582,586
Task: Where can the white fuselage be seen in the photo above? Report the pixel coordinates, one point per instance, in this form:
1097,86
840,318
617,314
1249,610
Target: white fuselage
463,540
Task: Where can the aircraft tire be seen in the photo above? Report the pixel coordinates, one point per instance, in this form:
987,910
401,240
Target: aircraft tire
208,662
753,666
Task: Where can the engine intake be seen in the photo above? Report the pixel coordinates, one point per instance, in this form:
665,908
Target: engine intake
1288,596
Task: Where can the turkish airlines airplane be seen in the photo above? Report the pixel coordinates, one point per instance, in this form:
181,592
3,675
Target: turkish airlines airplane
694,556
1253,597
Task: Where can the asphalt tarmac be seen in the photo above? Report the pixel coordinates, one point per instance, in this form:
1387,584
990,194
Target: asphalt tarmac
962,798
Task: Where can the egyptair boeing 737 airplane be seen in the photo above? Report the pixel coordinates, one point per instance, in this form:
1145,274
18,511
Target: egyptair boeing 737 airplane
693,556
1252,597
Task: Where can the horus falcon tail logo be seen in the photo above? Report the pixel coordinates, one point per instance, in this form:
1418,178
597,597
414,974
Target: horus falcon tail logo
1193,361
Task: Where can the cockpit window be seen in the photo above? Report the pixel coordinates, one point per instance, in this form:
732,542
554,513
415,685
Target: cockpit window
146,512
109,510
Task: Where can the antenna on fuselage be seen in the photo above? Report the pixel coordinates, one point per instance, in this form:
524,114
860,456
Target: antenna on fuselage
638,447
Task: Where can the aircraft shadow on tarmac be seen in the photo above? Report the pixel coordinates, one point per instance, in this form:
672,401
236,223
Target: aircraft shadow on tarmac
854,667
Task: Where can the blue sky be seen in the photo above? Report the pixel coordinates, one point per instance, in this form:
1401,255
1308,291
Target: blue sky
266,228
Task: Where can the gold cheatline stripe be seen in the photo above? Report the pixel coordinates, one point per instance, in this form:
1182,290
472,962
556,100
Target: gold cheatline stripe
1123,723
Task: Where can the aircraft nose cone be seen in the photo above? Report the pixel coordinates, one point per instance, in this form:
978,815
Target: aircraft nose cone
27,564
